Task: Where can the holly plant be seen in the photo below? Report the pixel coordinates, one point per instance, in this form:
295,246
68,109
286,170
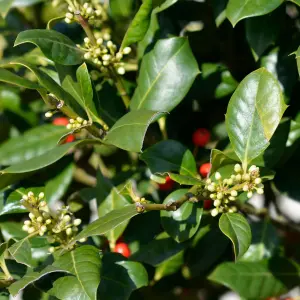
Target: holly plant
149,149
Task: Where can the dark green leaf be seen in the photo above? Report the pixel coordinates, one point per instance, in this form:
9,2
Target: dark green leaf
121,8
219,159
21,252
258,280
120,277
31,277
166,75
9,77
56,187
183,223
56,46
84,263
253,114
128,133
184,179
240,9
237,229
158,250
167,156
108,222
161,5
139,25
33,143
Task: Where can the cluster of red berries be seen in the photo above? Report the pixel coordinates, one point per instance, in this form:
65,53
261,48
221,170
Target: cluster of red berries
123,249
62,121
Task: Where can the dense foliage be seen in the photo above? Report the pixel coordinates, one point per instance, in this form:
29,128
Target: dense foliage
149,149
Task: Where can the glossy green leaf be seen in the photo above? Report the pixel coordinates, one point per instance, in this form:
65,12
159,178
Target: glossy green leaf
238,230
121,8
120,277
128,133
21,252
261,32
84,263
54,88
265,241
56,187
5,5
33,143
31,277
219,159
161,5
139,25
201,257
170,266
184,179
114,201
108,222
168,156
219,9
166,75
258,280
9,77
68,288
237,10
18,171
56,46
162,248
183,223
253,114
82,90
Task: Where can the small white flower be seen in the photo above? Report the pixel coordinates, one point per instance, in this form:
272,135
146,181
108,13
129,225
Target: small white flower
126,50
218,176
217,203
249,194
219,196
234,193
41,195
245,188
214,212
260,191
257,180
77,222
68,231
237,168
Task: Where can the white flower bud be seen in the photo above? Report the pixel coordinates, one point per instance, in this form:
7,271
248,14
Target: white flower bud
79,120
67,218
31,216
211,188
27,222
218,176
213,196
77,222
238,177
246,177
43,204
68,21
253,168
231,198
119,56
237,168
89,11
260,191
41,195
208,181
87,55
70,8
109,44
257,180
24,197
82,240
69,15
100,41
25,227
121,71
126,50
214,212
234,193
43,228
230,181
30,194
217,203
106,36
51,249
48,114
40,219
106,57
98,12
68,231
245,188
225,181
71,121
30,230
48,221
219,196
249,194
69,126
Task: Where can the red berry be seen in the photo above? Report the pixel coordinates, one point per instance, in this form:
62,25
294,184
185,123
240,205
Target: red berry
70,138
123,249
60,121
204,169
201,137
168,185
207,204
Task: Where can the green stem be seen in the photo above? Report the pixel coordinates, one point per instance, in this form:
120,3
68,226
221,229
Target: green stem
5,269
162,127
120,87
86,27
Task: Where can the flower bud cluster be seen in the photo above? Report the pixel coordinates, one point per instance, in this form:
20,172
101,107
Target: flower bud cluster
92,11
60,228
77,124
225,191
105,54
